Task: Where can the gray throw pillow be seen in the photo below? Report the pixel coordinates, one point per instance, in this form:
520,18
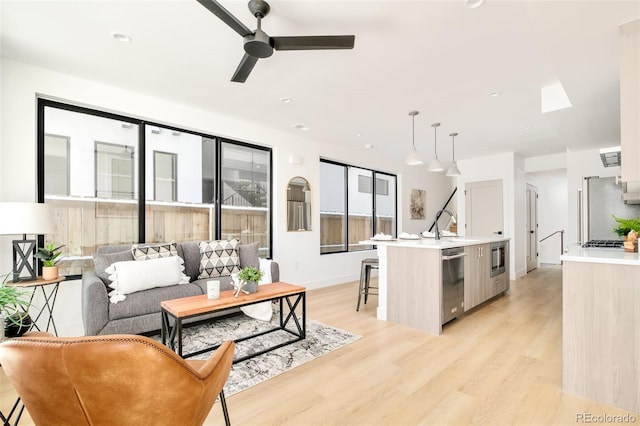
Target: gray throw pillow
249,255
103,261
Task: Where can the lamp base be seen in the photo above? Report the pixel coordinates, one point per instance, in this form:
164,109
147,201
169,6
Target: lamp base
23,259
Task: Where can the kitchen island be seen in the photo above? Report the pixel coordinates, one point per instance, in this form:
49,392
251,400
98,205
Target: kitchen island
601,326
410,278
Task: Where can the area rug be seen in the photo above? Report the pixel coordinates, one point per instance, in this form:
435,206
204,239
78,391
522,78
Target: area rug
320,340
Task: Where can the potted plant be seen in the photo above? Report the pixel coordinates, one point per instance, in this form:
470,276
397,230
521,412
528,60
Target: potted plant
629,230
49,254
249,278
13,309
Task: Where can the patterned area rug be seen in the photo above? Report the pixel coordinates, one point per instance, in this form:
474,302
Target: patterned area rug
321,339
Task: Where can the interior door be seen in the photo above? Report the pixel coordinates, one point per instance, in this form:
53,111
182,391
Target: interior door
532,227
484,209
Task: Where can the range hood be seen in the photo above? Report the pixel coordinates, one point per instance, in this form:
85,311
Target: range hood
611,156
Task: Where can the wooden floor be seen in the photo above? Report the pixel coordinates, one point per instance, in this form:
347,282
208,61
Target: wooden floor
498,365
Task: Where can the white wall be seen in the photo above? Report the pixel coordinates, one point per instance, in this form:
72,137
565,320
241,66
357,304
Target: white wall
297,252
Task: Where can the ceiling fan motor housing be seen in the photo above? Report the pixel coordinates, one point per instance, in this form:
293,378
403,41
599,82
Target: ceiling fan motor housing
258,45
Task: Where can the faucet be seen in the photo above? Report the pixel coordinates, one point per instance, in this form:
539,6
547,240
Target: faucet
438,214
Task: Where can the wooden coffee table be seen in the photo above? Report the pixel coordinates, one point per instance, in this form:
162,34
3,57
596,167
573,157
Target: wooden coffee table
188,307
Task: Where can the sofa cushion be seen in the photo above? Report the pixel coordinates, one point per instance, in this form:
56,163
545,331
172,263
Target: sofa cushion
148,301
191,256
249,255
154,251
219,258
133,276
103,261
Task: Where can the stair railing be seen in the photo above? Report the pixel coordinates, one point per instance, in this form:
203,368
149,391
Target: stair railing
561,232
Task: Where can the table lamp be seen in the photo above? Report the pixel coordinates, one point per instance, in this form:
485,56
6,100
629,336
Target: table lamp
27,219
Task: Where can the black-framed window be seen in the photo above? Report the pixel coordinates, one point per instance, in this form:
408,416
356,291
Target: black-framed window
349,212
130,181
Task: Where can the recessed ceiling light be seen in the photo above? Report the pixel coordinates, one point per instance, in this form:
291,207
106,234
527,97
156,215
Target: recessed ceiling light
368,146
122,37
527,127
472,4
301,127
494,94
286,100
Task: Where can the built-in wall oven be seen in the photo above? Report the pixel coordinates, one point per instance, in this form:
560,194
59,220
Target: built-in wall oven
498,258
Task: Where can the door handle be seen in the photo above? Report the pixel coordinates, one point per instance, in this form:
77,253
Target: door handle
455,256
500,232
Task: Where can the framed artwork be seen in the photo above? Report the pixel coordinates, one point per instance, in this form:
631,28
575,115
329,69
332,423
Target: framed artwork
418,200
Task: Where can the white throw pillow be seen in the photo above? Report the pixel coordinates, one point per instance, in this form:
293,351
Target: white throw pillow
131,276
261,311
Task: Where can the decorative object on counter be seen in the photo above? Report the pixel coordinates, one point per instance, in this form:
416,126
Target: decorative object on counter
631,242
13,308
629,229
435,165
382,237
20,218
247,280
418,201
49,255
453,170
413,159
626,225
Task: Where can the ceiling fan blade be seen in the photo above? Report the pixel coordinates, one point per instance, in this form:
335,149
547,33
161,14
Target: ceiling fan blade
244,69
216,8
314,42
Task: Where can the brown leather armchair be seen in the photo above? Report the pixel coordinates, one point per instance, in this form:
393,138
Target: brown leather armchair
113,380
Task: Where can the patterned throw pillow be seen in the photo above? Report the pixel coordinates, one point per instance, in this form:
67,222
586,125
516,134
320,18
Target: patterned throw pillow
219,258
154,251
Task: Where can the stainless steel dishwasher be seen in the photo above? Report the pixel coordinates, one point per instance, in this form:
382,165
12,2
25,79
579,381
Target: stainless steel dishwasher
452,283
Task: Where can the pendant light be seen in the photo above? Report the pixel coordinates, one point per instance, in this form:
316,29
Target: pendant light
453,170
413,159
435,165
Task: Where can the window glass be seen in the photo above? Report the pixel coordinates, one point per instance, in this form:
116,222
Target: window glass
333,212
360,209
175,210
165,176
56,164
245,194
386,204
99,208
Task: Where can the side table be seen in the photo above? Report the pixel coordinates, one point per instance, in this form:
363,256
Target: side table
49,299
46,308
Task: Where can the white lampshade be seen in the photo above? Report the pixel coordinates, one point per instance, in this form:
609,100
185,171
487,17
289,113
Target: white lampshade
413,159
435,165
453,170
18,218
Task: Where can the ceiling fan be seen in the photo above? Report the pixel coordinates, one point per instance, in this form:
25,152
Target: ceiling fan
258,44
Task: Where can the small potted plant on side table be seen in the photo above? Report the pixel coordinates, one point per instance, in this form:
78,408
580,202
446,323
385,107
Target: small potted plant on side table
49,255
13,310
248,280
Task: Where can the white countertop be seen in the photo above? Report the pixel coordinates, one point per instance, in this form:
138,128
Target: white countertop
432,243
601,255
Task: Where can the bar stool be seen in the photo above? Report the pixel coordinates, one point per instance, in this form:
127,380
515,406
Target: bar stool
365,276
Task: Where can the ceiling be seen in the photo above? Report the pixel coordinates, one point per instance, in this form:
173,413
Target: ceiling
438,57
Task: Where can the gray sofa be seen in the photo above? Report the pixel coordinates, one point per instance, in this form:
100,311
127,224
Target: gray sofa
140,312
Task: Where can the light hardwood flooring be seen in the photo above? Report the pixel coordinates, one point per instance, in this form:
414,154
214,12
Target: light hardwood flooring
498,365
